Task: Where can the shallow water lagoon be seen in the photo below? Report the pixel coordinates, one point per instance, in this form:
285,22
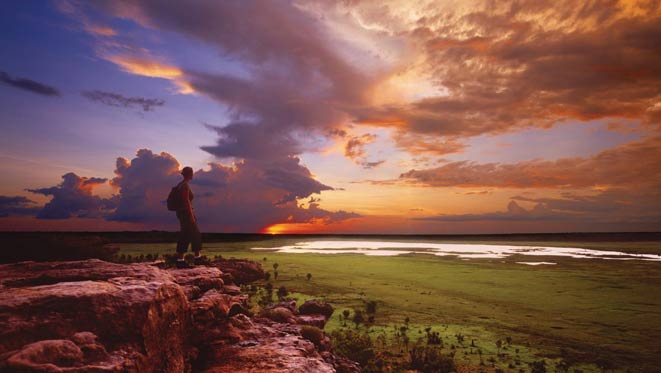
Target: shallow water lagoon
464,251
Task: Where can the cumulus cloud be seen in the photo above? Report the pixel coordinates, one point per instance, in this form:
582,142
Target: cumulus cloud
633,164
117,100
73,198
245,197
143,184
29,85
18,205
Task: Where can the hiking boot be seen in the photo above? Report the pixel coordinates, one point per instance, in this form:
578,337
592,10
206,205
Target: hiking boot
181,264
198,261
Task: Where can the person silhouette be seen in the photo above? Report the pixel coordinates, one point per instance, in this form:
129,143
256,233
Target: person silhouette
188,230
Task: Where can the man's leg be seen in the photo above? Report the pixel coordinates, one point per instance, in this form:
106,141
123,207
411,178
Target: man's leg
183,241
196,242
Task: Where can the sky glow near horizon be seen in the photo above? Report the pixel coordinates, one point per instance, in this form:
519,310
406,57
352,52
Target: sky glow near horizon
332,116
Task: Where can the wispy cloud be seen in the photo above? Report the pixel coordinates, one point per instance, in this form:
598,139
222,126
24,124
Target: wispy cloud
151,67
29,85
117,100
636,163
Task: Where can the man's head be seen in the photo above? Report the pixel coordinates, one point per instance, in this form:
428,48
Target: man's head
187,172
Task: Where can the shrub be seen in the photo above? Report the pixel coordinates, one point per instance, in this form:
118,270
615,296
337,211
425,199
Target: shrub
429,359
312,334
282,292
370,307
353,345
358,317
278,314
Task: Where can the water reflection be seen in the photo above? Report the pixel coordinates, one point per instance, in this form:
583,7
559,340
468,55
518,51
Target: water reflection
464,251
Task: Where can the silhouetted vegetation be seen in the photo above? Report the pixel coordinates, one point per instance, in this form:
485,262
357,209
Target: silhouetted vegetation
42,247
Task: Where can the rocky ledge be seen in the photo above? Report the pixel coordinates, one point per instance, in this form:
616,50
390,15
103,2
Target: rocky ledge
96,316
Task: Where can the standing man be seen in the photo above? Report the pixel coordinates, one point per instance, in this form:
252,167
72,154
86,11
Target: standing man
188,233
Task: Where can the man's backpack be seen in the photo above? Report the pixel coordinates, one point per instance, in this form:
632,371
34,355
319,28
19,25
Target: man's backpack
175,199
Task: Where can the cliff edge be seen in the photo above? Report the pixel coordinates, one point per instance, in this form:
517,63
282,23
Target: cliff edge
97,316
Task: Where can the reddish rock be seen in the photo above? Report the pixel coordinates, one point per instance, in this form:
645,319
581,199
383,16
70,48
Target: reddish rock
314,320
25,274
203,277
243,271
290,305
280,314
231,289
316,307
137,311
97,316
260,347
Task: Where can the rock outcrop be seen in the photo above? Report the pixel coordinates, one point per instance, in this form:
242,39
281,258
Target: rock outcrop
98,316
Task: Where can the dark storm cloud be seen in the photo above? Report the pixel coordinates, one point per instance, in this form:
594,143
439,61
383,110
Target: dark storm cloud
498,67
245,197
117,100
73,198
29,85
13,206
290,175
144,183
296,85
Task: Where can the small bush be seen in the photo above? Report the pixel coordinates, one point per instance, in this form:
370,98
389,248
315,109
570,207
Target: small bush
312,334
277,314
353,345
370,307
429,359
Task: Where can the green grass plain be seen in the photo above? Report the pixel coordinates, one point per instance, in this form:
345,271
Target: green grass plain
587,312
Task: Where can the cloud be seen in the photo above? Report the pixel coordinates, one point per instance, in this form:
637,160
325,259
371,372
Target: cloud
143,184
29,85
475,67
514,212
632,164
12,206
516,64
295,87
73,198
613,209
147,65
246,197
354,149
117,100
